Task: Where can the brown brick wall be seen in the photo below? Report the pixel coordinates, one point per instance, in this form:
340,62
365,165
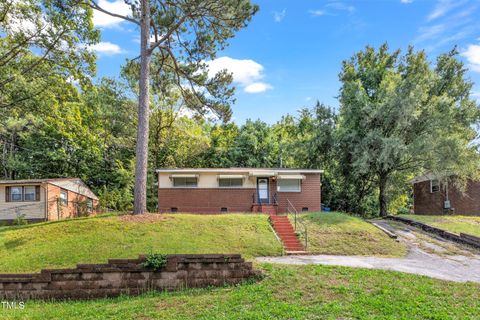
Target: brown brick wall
203,200
211,200
128,276
467,203
58,211
310,197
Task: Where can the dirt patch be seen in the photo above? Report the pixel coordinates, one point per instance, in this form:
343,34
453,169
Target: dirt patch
144,218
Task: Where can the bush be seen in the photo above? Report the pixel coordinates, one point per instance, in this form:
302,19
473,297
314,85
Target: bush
403,210
155,261
20,220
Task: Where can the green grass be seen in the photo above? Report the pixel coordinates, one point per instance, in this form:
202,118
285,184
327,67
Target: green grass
94,240
456,224
288,292
341,234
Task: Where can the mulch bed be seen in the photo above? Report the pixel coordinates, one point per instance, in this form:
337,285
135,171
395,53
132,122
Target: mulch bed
144,218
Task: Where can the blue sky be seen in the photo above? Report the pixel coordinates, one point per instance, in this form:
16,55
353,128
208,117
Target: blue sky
290,54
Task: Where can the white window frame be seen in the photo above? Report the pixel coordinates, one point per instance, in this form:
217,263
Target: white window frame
230,185
185,185
279,187
89,205
63,201
432,185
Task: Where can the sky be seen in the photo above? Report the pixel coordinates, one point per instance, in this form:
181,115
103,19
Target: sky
291,53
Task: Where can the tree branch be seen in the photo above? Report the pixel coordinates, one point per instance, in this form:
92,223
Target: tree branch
95,6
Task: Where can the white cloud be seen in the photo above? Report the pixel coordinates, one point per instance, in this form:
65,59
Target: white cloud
107,48
430,32
317,13
247,73
101,19
258,87
340,7
279,16
472,54
406,1
448,24
332,9
443,7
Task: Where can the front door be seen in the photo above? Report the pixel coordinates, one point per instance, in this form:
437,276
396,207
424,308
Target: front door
262,190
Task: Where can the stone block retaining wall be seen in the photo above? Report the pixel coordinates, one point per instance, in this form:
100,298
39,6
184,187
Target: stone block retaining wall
128,276
461,238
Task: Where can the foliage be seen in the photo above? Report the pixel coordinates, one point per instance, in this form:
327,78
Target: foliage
20,220
288,292
400,115
58,32
176,40
155,261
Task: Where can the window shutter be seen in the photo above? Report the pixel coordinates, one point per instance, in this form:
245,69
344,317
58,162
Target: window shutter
7,194
37,193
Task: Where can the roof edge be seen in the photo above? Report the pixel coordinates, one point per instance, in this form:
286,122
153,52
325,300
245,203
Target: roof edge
173,170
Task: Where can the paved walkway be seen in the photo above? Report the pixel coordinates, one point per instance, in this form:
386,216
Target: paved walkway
427,255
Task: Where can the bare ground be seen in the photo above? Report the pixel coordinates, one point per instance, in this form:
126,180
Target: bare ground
427,255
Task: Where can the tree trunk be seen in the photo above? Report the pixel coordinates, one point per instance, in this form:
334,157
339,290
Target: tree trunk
382,197
140,196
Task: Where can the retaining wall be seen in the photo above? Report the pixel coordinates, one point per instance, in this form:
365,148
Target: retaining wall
462,238
128,276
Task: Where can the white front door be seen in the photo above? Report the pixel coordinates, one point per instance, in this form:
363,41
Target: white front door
262,189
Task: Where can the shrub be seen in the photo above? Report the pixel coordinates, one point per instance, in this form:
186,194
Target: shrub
155,261
20,220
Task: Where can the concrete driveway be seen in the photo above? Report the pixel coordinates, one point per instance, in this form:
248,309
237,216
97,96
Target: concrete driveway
427,255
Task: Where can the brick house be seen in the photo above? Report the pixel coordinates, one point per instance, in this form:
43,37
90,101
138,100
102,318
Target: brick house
432,197
221,190
45,199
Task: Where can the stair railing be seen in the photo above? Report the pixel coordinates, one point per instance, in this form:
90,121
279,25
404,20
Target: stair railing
292,210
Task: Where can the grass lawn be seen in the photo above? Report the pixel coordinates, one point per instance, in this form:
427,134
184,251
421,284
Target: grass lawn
94,240
288,292
456,224
341,234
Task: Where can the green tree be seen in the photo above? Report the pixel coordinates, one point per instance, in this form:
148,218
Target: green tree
399,114
185,34
59,31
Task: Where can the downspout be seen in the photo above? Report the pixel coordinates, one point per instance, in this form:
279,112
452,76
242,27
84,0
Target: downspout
46,200
447,199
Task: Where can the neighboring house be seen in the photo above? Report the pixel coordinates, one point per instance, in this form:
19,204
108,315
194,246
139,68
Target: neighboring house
45,199
238,190
431,197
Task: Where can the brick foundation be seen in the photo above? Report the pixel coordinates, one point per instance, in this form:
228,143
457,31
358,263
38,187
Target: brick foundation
128,276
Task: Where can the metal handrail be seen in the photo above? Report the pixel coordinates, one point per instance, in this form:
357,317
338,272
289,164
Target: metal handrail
272,200
290,206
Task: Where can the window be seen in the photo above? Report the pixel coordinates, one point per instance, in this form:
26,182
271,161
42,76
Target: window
304,209
29,193
63,197
185,182
89,205
16,194
224,210
434,185
230,182
24,193
173,210
288,185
